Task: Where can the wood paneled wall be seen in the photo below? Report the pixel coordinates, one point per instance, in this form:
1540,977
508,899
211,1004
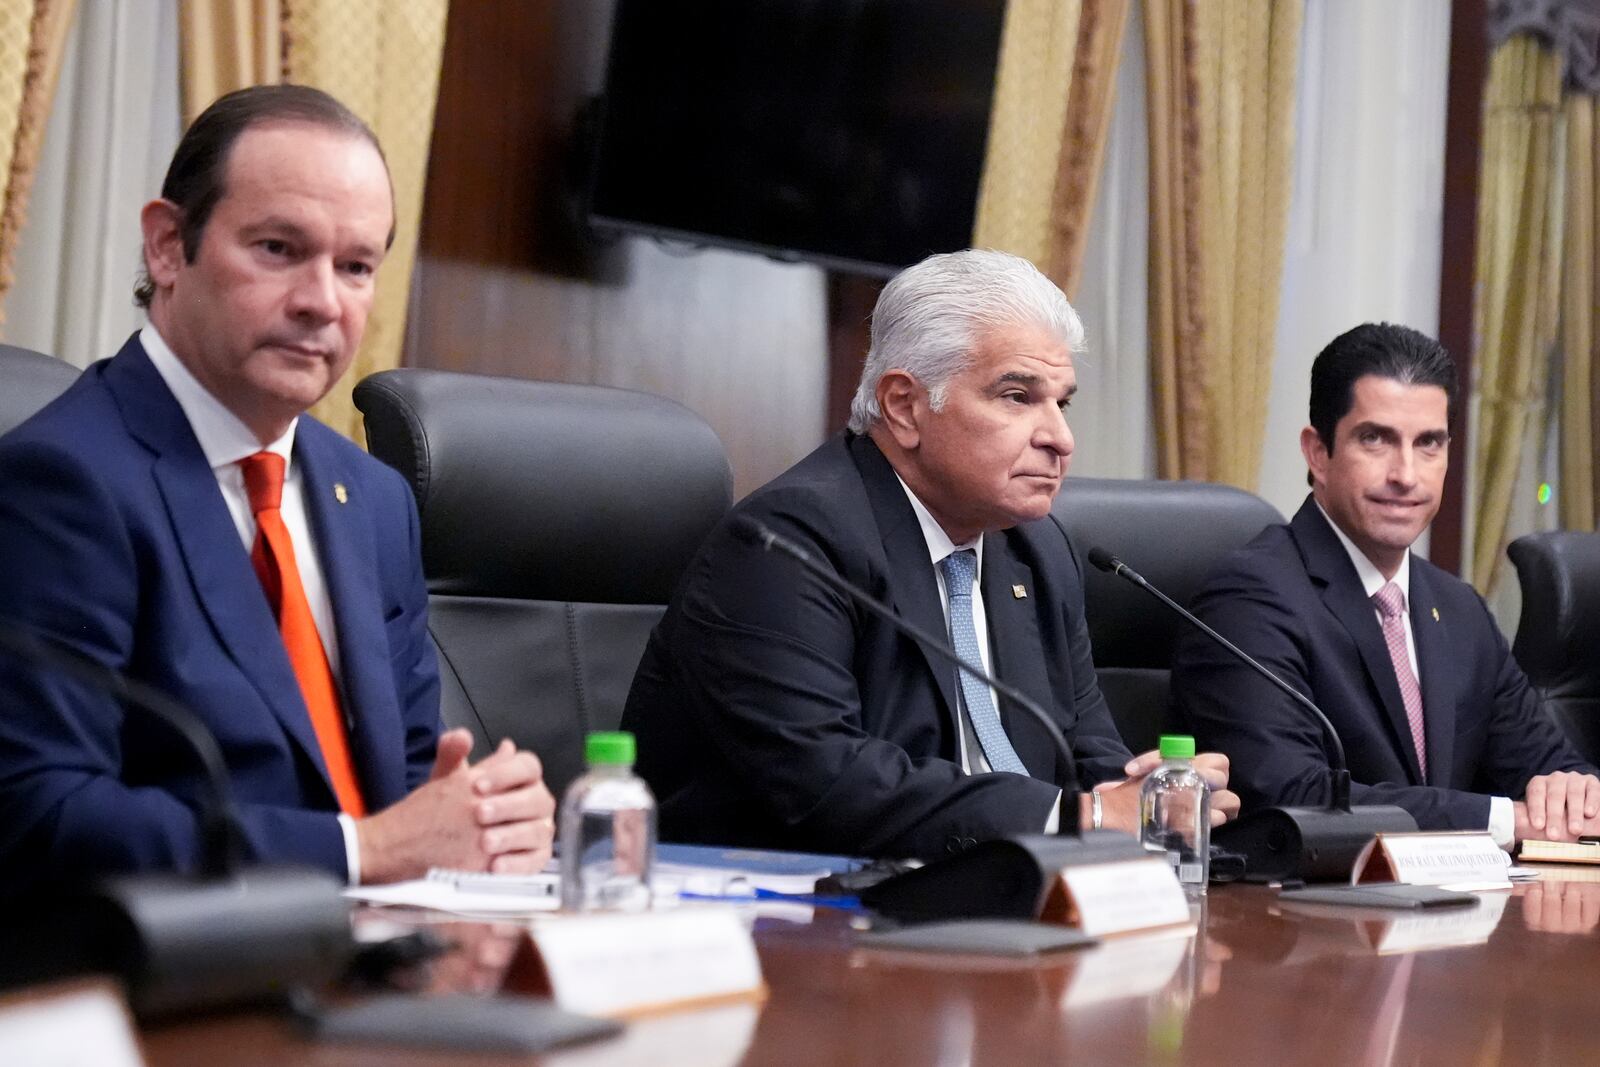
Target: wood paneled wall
507,284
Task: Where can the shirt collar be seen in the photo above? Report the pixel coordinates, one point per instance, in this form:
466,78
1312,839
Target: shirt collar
1372,578
939,543
223,438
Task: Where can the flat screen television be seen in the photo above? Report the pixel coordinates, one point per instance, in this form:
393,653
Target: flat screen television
846,132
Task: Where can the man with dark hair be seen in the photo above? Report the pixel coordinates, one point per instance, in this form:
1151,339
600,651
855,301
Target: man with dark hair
177,517
771,711
1405,660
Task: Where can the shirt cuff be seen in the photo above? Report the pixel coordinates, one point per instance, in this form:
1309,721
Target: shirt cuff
1503,822
1053,823
352,848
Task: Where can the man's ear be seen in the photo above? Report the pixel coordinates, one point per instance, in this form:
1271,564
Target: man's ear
161,221
1315,453
900,400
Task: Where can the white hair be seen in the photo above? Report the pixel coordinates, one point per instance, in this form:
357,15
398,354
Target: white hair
932,315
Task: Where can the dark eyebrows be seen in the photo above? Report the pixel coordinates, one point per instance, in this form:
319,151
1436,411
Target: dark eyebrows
1391,434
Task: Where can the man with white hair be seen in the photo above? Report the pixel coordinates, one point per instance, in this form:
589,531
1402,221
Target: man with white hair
772,711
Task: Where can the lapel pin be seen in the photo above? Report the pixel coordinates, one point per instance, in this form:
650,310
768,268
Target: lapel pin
343,497
1019,592
1435,614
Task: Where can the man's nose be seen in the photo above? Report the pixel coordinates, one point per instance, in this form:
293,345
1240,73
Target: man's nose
1055,434
314,295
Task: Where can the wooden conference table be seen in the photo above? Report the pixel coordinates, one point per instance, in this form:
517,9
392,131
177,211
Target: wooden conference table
1516,980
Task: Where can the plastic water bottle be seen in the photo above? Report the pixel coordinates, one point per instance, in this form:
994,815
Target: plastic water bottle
1175,814
608,831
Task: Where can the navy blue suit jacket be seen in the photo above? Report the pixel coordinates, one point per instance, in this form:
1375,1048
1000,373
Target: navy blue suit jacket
1293,600
116,541
772,711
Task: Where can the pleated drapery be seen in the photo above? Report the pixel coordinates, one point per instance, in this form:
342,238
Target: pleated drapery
33,36
1047,131
1517,278
1221,108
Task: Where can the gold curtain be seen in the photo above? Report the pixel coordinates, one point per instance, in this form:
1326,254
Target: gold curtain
227,45
1580,304
1221,84
1047,130
33,37
1516,277
381,58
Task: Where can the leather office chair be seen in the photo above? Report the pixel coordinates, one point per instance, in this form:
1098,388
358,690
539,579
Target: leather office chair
1556,635
28,381
1173,533
556,521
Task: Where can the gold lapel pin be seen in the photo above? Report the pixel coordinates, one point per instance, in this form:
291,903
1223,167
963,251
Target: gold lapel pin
343,497
1435,614
1019,592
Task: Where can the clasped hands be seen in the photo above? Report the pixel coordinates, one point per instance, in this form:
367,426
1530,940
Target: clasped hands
494,815
1559,807
1120,800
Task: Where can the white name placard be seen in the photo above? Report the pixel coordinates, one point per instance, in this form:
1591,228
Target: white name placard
76,1025
1451,860
1113,898
625,964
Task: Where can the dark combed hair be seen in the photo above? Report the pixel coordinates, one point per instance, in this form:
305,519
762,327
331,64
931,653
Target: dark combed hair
194,179
1382,349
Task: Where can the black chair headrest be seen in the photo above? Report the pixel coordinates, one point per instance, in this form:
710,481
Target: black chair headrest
1171,532
32,379
1560,577
545,491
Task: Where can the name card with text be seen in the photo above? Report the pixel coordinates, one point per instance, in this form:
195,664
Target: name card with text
631,964
1115,898
1451,860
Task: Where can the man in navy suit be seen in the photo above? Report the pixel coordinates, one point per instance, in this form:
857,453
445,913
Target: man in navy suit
133,531
1404,659
771,710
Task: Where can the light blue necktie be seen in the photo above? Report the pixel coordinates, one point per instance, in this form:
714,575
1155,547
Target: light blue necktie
959,569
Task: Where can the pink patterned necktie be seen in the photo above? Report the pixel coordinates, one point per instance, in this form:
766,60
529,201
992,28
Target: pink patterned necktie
1391,603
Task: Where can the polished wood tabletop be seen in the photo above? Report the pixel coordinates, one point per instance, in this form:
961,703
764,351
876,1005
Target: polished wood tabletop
1514,980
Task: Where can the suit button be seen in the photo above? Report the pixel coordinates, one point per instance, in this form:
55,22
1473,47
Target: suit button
968,842
952,845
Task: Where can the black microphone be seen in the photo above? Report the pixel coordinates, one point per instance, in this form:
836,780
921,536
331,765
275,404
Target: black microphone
1008,877
231,934
1282,843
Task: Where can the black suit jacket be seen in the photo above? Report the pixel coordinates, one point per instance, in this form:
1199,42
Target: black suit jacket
771,711
1292,599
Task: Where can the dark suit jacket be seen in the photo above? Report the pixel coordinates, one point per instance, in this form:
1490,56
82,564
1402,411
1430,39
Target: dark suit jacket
1292,599
116,541
772,711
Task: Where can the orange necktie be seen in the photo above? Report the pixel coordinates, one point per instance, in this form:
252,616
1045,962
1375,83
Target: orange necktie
273,557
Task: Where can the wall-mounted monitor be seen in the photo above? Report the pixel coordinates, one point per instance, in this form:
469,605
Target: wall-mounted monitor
846,132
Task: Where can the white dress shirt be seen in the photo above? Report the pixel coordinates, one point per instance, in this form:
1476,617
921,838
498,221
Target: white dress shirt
225,440
1502,816
973,761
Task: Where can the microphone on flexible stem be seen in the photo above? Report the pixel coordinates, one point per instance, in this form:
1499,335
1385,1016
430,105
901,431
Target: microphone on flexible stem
231,934
1285,843
1008,877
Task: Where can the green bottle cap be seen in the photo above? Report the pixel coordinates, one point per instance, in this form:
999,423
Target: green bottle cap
614,748
1173,746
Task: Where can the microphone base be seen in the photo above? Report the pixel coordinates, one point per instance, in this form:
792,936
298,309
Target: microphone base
183,944
1006,878
1308,844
